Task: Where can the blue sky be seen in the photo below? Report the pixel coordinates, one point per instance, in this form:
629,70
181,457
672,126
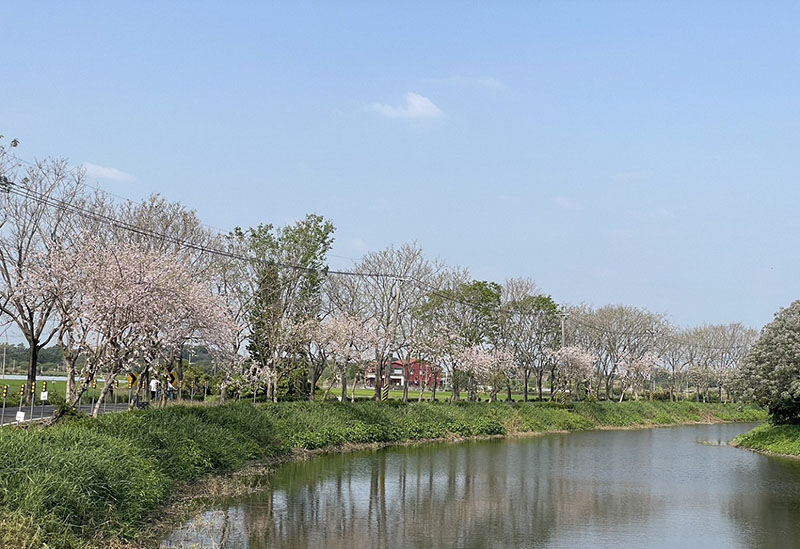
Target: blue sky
616,152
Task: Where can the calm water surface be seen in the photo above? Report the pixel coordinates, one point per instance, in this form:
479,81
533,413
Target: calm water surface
666,487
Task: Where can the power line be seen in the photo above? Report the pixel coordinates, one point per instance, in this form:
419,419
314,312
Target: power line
30,194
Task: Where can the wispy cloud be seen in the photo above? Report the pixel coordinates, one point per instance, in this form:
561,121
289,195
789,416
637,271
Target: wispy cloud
565,202
416,106
487,82
631,176
93,171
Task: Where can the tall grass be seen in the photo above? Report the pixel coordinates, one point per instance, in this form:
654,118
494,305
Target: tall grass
90,483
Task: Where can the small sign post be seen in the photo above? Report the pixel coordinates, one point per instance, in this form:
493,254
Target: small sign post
116,390
19,410
94,386
33,398
131,380
43,397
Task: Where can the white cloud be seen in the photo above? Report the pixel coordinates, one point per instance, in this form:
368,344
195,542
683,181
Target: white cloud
564,202
93,171
487,82
416,106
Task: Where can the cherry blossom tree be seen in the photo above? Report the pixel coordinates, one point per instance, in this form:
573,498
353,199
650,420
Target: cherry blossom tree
574,364
434,347
614,333
502,370
34,223
345,339
130,307
634,372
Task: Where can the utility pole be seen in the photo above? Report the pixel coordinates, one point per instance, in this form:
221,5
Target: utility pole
563,315
397,281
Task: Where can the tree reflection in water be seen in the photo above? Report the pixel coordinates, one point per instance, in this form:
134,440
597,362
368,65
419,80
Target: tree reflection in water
635,488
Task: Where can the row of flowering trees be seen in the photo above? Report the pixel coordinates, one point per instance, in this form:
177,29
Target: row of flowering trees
122,288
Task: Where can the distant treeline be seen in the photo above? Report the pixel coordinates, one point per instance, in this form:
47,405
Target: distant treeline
50,358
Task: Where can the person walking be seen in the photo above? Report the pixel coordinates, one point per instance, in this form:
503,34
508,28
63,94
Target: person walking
154,383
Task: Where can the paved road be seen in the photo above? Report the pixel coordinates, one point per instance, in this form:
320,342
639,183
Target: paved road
47,411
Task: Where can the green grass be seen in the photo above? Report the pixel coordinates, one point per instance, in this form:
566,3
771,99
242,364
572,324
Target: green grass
779,439
94,483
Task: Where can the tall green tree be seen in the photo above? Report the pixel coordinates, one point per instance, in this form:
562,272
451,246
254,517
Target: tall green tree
771,371
288,275
529,331
466,313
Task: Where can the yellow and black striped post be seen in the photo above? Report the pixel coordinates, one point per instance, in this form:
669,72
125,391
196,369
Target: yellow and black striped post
385,393
43,397
3,413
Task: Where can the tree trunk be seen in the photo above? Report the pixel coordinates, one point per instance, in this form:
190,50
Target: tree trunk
223,392
179,374
106,386
70,390
672,388
540,385
33,359
164,390
378,380
525,377
314,375
344,386
405,382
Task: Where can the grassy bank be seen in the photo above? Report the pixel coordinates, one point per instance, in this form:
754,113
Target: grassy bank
98,482
775,439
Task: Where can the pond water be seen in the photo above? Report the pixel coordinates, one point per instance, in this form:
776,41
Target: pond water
664,487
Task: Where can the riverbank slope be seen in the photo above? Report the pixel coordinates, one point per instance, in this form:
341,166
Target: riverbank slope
97,483
772,439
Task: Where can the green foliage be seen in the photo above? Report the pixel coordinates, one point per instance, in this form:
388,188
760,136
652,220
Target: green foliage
293,385
284,295
780,439
771,373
